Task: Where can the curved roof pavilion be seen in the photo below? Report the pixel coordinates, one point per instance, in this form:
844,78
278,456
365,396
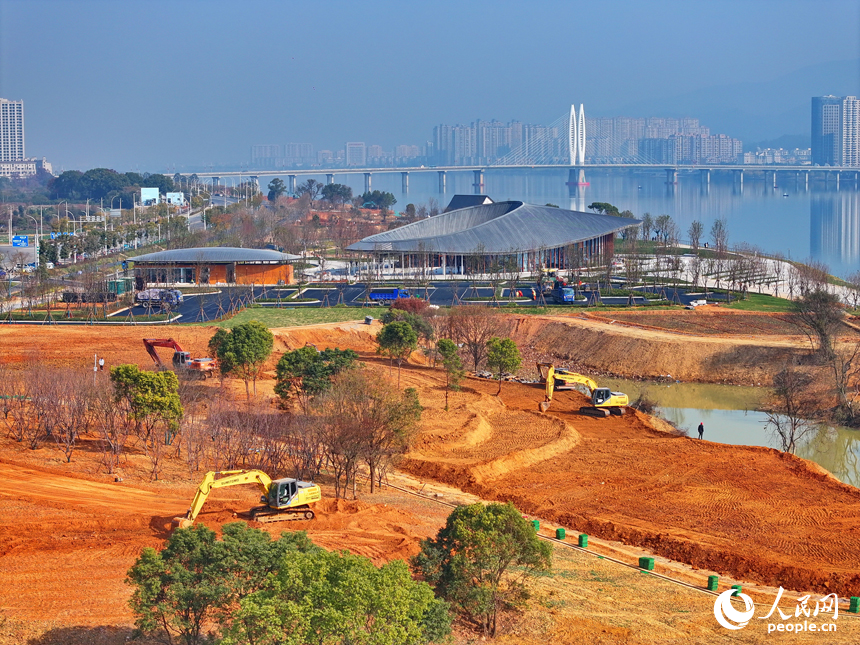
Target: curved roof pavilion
216,255
495,229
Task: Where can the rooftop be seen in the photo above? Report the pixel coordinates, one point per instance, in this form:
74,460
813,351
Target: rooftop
217,254
497,228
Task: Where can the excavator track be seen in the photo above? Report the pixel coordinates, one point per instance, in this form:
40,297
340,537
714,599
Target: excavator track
265,514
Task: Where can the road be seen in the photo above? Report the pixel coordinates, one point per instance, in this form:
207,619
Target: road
220,301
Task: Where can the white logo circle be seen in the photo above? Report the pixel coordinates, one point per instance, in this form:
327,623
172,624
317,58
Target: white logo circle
724,612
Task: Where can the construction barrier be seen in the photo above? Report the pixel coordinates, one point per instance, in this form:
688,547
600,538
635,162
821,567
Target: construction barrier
560,534
854,605
737,589
646,563
713,583
536,524
583,541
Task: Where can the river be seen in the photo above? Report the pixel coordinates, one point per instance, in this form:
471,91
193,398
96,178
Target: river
729,414
819,222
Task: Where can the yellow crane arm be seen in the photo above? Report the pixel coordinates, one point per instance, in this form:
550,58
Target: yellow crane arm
222,479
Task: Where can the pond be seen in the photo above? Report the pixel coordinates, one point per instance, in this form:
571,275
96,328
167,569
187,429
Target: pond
729,414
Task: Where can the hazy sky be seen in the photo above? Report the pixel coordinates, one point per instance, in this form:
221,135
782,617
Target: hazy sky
156,85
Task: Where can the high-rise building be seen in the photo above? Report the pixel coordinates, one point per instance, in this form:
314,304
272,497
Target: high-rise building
851,131
356,154
827,130
835,131
11,130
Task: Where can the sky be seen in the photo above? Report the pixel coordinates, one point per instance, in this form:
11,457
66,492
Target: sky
184,85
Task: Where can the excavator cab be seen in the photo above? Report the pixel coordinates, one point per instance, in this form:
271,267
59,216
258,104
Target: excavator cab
181,358
281,493
601,395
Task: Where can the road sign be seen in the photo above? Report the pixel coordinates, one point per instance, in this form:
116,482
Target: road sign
20,240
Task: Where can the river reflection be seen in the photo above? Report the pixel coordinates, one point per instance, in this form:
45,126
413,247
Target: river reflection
834,228
729,415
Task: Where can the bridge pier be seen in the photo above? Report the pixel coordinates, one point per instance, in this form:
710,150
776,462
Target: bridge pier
367,187
838,177
671,179
404,183
706,180
739,180
256,181
775,186
291,184
329,178
215,181
806,181
442,181
478,184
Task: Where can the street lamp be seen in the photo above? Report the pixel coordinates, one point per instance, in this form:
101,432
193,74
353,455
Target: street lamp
38,234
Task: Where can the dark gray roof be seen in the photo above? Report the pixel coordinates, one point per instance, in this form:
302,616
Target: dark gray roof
464,201
502,227
216,254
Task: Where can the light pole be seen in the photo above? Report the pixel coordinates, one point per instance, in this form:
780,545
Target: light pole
37,239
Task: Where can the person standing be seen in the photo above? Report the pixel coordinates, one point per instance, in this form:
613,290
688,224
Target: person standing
701,429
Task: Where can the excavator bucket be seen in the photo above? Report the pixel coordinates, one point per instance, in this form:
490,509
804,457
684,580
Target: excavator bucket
544,406
181,523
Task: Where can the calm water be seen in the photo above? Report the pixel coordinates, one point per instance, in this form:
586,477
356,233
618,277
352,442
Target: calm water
820,223
729,415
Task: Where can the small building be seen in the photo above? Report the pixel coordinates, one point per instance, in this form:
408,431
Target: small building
215,265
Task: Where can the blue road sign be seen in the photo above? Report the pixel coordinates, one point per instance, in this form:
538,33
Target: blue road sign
20,240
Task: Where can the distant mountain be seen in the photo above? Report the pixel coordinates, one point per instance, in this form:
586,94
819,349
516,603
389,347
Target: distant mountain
787,141
758,111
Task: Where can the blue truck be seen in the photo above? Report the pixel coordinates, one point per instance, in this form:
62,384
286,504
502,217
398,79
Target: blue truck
386,295
561,293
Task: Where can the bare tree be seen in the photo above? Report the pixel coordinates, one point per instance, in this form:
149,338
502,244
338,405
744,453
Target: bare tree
790,408
819,314
695,234
473,327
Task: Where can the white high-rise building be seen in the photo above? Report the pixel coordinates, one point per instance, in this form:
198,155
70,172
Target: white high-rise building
356,153
851,131
11,130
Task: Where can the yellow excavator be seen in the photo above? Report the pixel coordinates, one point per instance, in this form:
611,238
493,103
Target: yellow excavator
284,499
604,401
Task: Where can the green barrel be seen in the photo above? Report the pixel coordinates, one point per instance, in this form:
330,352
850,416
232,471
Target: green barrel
583,541
713,583
560,534
854,605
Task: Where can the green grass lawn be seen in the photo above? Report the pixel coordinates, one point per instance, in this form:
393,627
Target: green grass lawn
274,317
761,302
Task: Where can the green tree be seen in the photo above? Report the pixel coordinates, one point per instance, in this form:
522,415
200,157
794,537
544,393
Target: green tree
243,350
503,356
276,189
307,372
336,597
481,560
397,340
410,210
197,579
336,193
454,371
604,208
152,398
